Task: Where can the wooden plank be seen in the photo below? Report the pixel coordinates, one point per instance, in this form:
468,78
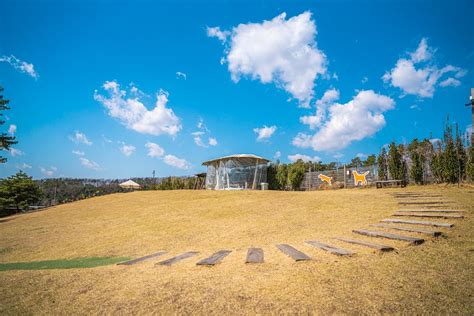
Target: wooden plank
293,252
413,222
422,202
130,262
254,255
329,248
180,257
214,259
371,233
411,230
430,211
429,215
380,247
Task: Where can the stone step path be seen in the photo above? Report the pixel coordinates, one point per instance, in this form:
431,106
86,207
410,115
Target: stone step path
428,215
215,258
137,260
380,247
370,233
411,230
413,222
329,248
292,252
254,255
171,261
430,211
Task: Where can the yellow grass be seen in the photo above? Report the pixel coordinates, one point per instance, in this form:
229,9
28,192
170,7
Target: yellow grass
436,277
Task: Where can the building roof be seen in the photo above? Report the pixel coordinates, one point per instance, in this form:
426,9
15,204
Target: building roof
129,184
244,156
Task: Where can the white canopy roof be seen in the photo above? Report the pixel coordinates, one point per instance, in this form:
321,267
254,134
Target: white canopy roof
264,160
130,184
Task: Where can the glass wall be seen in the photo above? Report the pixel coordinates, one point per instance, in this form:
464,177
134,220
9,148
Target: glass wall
236,174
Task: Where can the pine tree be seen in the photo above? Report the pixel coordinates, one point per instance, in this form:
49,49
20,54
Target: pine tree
461,155
470,164
416,170
382,164
450,160
5,140
370,161
395,166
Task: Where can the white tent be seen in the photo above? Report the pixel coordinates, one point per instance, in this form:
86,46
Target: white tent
129,185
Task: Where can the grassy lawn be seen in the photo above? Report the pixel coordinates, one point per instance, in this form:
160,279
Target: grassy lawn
435,277
62,264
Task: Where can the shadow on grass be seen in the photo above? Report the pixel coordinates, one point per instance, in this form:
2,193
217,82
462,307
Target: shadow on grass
62,264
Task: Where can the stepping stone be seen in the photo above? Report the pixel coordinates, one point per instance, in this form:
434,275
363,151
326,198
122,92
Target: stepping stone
370,233
215,258
380,247
431,211
292,252
429,215
254,255
130,262
329,248
412,230
413,222
173,260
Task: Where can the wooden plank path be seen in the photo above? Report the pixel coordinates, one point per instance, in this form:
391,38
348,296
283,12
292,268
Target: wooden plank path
429,215
130,262
380,247
254,255
292,252
370,233
413,222
430,211
215,258
423,202
411,230
329,248
180,257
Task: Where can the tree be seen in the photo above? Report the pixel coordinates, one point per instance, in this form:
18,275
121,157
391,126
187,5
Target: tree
281,177
416,170
382,164
470,164
19,191
395,166
370,161
450,160
296,174
5,140
460,154
355,162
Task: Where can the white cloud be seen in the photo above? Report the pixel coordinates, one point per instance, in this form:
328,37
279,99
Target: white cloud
212,141
279,51
450,82
48,172
418,75
154,150
20,65
16,152
199,135
176,162
264,132
305,158
12,129
89,164
359,118
277,155
24,166
362,156
80,138
180,74
217,33
132,113
316,120
127,150
78,152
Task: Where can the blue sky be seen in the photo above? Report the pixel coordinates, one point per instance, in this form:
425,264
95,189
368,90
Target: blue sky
118,89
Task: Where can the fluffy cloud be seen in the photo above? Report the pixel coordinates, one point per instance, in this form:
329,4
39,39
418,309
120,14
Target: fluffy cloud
12,129
212,141
359,118
180,74
279,51
78,152
24,166
49,172
217,33
132,113
154,150
265,132
20,65
305,158
176,162
277,155
418,75
89,164
16,152
127,150
80,138
322,104
201,134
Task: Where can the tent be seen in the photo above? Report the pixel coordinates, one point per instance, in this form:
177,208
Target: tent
129,185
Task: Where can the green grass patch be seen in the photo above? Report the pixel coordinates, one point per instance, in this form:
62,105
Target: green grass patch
62,263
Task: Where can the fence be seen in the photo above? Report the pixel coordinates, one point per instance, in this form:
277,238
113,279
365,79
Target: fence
342,176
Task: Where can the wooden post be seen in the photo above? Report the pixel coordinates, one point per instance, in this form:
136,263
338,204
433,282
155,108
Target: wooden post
344,176
254,185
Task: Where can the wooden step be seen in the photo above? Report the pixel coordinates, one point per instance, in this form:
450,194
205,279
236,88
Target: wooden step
137,260
429,215
215,258
380,247
293,252
370,233
423,202
413,222
411,230
430,211
173,260
329,248
254,255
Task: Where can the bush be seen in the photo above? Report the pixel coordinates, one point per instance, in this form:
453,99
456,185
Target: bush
296,175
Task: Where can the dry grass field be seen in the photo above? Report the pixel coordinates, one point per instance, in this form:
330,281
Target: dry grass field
434,278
